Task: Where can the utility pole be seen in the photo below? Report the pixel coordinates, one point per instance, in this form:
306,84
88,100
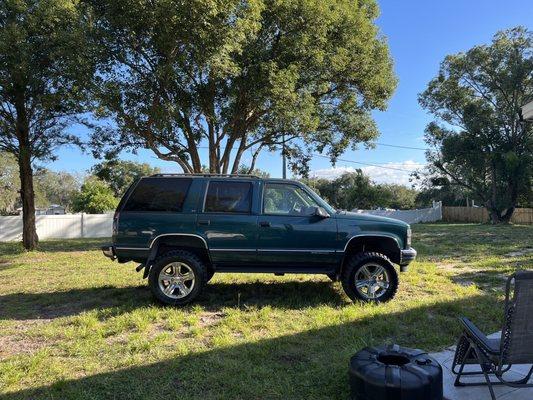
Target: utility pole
284,160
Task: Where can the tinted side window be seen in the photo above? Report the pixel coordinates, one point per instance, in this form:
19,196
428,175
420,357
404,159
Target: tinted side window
283,199
228,197
158,194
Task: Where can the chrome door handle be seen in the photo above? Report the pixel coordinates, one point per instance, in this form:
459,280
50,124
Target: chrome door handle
204,222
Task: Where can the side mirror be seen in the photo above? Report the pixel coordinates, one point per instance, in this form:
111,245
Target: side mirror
320,212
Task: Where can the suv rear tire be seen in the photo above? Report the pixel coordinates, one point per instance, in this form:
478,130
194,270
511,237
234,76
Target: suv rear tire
177,277
369,277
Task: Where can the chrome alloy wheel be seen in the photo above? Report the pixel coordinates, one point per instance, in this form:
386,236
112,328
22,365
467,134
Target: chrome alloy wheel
372,281
176,280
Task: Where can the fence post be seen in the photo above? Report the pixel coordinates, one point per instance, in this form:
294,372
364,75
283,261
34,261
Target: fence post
82,220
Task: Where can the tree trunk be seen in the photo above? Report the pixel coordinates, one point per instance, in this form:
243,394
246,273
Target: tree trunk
498,216
29,232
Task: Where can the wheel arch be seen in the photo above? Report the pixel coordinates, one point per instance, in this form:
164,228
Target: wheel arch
177,241
380,243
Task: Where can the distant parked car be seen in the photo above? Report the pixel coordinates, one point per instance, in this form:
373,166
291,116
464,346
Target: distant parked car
184,228
53,209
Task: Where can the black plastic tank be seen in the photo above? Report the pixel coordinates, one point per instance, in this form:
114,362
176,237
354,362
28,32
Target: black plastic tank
395,373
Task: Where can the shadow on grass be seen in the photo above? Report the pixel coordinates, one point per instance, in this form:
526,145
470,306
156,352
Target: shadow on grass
284,295
494,277
55,245
308,365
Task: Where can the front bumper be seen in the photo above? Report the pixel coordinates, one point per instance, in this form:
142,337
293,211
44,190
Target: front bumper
109,251
406,256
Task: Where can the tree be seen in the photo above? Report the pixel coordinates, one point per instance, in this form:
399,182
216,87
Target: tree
350,190
399,197
95,197
355,190
120,174
479,142
42,63
244,169
55,187
240,76
9,185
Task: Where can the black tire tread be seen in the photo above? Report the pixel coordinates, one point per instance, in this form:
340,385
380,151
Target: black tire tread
175,254
358,259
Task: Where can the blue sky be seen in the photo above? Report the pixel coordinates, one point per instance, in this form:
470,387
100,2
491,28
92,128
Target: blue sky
420,34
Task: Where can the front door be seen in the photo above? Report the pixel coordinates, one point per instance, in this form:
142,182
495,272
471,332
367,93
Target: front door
228,222
290,234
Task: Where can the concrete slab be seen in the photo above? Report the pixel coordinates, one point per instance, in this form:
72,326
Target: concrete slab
445,358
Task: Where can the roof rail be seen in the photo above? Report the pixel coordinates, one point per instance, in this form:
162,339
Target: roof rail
209,175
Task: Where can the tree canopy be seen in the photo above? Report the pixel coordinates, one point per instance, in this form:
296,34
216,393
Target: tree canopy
43,74
237,76
120,174
355,190
478,141
95,197
53,187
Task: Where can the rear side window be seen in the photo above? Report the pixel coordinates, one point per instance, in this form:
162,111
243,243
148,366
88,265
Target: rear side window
158,194
228,197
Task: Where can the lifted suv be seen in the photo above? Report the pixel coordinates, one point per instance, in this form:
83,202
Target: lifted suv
184,228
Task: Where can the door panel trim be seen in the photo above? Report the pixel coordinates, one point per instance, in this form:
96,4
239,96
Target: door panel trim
300,250
232,249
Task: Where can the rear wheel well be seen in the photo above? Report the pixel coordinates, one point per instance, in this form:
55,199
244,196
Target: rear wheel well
191,244
385,245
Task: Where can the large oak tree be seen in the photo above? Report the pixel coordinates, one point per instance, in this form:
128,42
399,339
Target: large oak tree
41,63
239,77
478,140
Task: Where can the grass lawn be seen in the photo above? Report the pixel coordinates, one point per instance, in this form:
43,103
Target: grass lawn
74,325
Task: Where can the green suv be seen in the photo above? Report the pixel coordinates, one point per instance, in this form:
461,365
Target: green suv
184,228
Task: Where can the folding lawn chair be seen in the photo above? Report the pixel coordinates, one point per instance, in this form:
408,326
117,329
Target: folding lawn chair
515,346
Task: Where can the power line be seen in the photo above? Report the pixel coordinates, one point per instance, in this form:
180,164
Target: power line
401,147
367,164
376,143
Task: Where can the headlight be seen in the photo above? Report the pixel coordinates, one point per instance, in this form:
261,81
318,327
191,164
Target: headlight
408,238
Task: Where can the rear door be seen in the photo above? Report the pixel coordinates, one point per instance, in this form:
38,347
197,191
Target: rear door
289,233
228,221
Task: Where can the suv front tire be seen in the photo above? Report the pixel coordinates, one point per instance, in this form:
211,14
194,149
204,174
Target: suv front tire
177,277
369,277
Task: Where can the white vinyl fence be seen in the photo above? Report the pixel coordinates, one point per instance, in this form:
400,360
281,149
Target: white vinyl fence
410,216
68,226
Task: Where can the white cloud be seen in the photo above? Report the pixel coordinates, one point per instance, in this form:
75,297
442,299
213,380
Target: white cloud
400,175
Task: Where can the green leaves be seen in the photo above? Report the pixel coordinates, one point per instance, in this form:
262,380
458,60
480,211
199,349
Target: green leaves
119,174
479,142
355,190
95,197
237,75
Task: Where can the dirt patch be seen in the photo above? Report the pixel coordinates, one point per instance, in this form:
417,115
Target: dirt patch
447,266
519,253
13,345
210,319
18,342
